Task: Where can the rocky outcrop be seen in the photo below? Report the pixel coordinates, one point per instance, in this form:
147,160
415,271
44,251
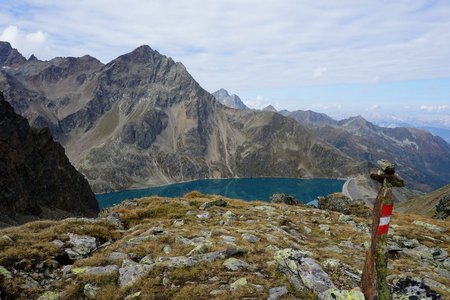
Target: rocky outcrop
143,120
36,178
283,198
343,204
443,207
10,56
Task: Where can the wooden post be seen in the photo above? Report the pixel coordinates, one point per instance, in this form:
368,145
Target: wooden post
373,281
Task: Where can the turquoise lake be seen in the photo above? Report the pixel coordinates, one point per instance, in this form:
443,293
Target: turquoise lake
249,189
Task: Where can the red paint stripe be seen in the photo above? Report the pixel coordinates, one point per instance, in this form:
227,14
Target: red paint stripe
386,210
383,229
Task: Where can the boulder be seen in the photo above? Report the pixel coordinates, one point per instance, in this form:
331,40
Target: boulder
218,202
277,292
302,271
90,291
131,271
336,294
82,245
284,198
343,204
241,282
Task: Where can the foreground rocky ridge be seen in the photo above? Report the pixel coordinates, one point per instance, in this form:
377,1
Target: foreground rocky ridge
210,247
142,120
36,178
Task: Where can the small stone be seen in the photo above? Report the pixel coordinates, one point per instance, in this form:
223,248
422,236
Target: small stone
228,239
284,198
307,229
277,292
6,240
203,215
199,249
265,208
230,216
250,238
239,283
58,243
324,227
147,260
167,249
217,292
405,242
178,222
133,296
90,291
331,263
219,202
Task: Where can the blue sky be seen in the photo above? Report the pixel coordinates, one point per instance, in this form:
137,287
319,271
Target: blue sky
375,58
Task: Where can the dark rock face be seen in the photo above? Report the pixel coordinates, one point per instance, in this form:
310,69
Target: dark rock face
283,198
9,56
343,204
36,178
443,207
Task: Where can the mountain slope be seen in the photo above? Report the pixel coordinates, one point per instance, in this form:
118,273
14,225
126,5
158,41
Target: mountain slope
37,179
426,204
143,120
232,101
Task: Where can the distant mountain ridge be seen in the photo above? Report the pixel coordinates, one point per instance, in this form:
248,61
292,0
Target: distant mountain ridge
142,120
232,101
422,159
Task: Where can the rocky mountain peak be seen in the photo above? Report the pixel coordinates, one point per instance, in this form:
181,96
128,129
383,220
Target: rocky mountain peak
269,108
226,99
9,56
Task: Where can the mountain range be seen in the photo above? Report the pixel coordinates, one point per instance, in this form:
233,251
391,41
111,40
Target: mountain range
422,159
142,120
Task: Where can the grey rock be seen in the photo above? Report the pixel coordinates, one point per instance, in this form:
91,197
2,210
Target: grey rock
147,260
235,264
130,272
226,99
302,271
118,256
277,292
199,249
6,240
284,198
336,294
58,243
250,238
218,202
82,244
230,216
405,242
241,282
228,239
90,291
431,227
114,218
204,215
343,204
98,271
167,249
178,222
50,295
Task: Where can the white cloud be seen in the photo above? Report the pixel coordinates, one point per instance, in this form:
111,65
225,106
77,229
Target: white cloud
258,103
27,43
374,107
435,108
319,72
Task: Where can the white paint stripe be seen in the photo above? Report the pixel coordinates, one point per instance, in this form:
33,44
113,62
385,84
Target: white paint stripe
385,220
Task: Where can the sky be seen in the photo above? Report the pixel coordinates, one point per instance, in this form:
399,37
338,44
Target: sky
380,59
